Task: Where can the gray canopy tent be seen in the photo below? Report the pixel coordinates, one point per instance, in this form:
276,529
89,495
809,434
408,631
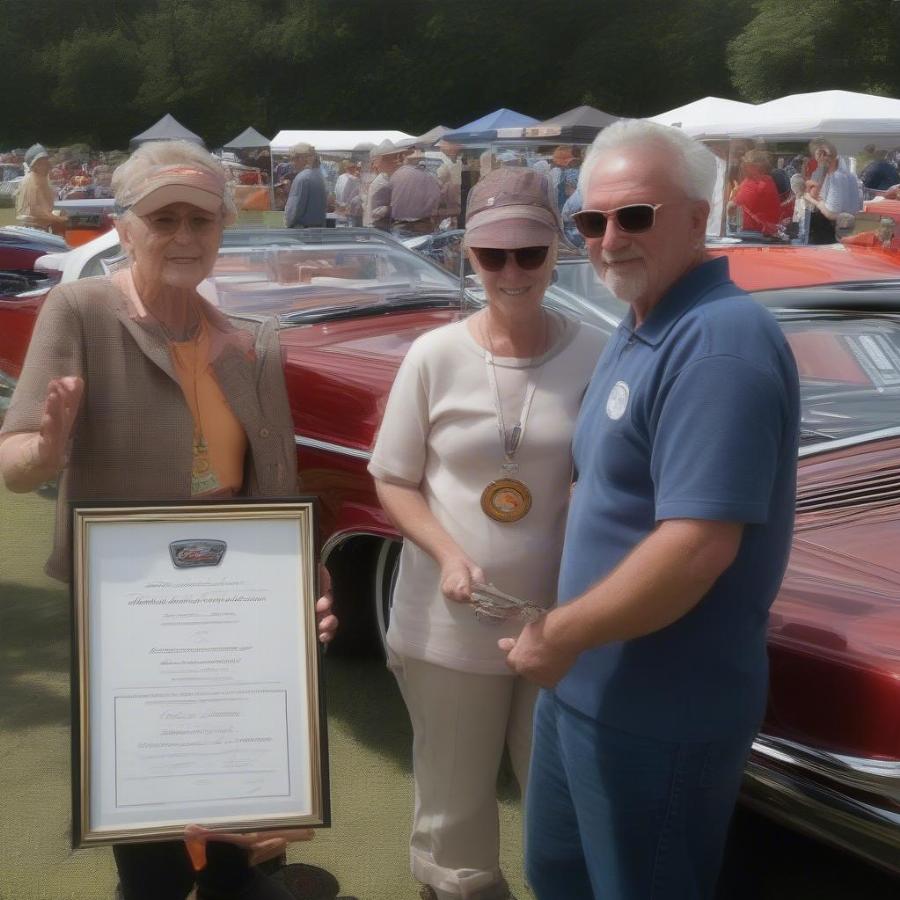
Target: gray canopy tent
168,128
248,139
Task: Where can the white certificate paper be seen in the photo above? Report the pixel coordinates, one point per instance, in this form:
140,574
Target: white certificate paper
199,684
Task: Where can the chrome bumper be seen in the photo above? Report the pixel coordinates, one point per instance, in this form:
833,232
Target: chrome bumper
850,802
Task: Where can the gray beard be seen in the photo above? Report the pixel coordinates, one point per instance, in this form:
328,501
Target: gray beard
626,288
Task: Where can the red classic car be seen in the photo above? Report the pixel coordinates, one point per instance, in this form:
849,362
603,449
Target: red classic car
351,301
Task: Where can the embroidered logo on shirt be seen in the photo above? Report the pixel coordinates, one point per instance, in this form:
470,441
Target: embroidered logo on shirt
617,401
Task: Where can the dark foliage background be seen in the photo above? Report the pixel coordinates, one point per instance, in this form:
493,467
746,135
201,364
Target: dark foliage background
100,71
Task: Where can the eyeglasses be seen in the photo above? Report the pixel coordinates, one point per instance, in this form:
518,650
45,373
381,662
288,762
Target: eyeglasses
494,259
634,219
166,223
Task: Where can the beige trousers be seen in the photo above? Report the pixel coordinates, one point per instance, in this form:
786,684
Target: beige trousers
461,722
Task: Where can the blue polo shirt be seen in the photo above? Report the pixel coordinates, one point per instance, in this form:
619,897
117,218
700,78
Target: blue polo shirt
693,415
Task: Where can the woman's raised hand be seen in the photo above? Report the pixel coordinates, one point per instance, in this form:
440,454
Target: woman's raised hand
60,409
458,574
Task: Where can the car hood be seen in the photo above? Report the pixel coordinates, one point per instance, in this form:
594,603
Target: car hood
756,268
834,631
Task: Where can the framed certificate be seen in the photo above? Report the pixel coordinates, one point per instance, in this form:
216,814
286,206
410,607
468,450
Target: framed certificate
196,680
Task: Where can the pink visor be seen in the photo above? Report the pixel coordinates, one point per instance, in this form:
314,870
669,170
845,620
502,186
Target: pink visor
179,184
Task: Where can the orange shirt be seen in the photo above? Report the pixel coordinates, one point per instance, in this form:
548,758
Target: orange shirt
220,443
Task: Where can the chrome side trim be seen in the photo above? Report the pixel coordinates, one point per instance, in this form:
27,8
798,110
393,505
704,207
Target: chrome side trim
878,776
823,447
824,814
832,797
328,447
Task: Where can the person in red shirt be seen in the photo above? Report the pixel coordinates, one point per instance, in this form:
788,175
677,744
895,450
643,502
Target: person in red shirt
757,195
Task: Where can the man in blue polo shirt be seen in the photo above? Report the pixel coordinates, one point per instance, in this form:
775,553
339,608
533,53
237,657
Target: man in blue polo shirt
677,539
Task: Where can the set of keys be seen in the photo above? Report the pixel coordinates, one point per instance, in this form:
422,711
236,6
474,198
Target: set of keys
494,607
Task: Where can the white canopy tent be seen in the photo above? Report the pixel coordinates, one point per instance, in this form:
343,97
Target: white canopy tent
334,141
705,111
849,119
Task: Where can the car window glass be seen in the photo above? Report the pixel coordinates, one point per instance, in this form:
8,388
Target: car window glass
849,374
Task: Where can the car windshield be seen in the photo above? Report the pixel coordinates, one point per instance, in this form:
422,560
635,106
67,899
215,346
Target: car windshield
346,270
849,369
294,272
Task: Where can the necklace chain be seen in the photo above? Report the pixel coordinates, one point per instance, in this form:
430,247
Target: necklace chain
511,440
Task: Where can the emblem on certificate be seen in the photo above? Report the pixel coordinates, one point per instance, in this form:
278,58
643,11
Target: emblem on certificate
506,500
197,675
190,554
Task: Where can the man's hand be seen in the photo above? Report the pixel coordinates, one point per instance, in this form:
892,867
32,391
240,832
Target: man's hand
458,574
534,657
260,845
326,621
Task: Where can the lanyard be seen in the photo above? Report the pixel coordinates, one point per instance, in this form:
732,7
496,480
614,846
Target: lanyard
510,441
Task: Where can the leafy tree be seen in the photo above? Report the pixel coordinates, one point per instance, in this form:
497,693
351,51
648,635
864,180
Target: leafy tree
823,44
101,70
97,75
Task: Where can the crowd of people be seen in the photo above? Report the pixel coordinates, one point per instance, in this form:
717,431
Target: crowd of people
631,500
811,197
403,189
408,189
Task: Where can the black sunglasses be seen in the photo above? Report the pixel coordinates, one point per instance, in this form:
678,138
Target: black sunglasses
634,219
494,259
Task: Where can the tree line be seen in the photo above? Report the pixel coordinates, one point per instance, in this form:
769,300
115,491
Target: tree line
99,71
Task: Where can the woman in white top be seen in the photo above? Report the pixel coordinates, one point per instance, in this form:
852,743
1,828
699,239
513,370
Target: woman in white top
473,465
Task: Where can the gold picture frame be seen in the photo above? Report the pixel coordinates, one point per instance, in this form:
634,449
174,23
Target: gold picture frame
197,691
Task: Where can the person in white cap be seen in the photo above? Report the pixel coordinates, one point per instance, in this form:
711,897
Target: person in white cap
472,464
415,197
135,387
386,159
34,201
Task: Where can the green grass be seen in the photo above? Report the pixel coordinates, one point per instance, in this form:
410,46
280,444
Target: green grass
369,742
7,215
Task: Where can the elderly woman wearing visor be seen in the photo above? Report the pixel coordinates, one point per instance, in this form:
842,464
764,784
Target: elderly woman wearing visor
472,463
134,387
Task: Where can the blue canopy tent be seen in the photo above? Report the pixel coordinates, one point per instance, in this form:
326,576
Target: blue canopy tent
498,119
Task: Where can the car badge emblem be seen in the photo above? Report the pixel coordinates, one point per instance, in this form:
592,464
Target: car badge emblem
192,554
617,402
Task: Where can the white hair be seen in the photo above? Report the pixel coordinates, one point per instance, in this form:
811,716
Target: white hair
695,164
129,178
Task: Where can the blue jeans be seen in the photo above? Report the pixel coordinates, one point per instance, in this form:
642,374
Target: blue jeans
618,816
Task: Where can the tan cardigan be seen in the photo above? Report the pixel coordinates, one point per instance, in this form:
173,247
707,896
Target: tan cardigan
132,438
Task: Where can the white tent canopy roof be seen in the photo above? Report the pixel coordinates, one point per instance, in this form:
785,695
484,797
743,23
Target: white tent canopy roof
704,112
334,141
855,118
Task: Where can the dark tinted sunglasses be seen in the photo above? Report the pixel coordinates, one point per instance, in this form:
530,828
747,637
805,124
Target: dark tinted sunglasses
633,219
494,259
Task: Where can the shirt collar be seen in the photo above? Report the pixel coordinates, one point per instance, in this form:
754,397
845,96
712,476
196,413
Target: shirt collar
678,299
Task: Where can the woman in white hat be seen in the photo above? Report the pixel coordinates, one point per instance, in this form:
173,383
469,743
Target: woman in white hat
135,387
35,197
472,463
